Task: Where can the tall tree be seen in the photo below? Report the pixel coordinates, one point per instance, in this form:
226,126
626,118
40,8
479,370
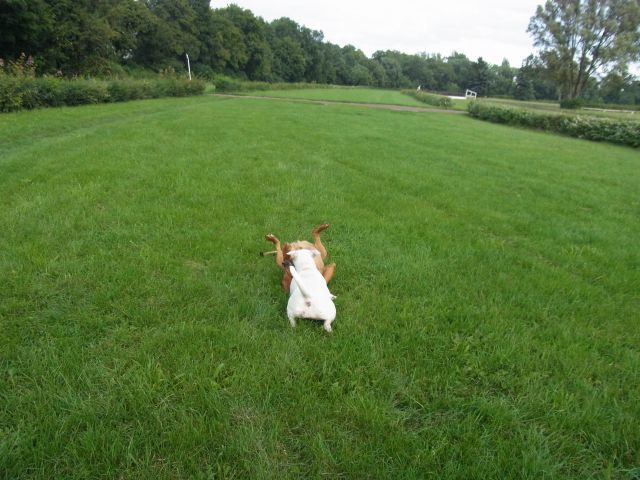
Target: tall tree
257,65
533,82
288,62
462,70
25,27
480,77
580,38
502,78
170,34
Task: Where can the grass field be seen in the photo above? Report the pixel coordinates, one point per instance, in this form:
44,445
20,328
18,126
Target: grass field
394,97
346,94
488,294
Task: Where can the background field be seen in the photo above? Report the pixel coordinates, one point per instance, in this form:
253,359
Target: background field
394,97
346,94
487,286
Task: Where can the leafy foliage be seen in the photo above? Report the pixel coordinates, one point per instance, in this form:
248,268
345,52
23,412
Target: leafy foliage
571,103
18,93
580,38
589,128
225,83
430,98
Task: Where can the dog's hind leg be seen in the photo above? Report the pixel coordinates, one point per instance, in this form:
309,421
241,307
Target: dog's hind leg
316,239
328,272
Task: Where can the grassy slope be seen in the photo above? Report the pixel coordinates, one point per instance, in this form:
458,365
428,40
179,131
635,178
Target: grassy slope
487,288
346,94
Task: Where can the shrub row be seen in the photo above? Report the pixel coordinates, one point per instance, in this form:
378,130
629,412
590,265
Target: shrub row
17,93
430,98
571,103
591,128
224,83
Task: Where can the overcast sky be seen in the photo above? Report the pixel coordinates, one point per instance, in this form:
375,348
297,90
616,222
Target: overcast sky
492,29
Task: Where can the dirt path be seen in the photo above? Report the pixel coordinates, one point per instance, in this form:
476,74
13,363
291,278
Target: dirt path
379,106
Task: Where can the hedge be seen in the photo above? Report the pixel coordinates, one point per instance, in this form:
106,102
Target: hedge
599,129
18,93
224,83
430,98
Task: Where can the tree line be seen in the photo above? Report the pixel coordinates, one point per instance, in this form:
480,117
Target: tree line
116,37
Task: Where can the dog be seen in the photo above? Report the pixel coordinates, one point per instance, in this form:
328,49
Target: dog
309,295
281,254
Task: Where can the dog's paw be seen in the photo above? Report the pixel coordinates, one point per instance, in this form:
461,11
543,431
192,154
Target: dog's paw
320,228
271,238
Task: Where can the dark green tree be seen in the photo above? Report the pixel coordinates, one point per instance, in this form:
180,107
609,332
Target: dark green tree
168,35
462,71
26,26
480,77
258,63
502,79
533,81
288,60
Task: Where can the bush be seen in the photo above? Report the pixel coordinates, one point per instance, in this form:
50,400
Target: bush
124,90
430,98
83,92
173,87
571,103
10,93
224,83
26,92
590,128
46,93
227,84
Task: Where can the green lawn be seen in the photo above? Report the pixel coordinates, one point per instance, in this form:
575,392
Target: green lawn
346,94
488,295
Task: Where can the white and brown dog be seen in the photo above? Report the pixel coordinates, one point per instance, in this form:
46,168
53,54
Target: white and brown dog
280,253
309,296
310,299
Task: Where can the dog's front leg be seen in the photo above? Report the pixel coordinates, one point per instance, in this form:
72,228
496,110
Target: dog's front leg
279,257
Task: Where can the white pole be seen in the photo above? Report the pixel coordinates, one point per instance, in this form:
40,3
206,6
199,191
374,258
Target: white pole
188,65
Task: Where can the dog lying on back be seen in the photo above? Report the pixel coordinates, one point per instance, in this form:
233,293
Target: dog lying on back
309,295
327,271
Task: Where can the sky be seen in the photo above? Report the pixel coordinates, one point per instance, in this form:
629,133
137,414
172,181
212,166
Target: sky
491,29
